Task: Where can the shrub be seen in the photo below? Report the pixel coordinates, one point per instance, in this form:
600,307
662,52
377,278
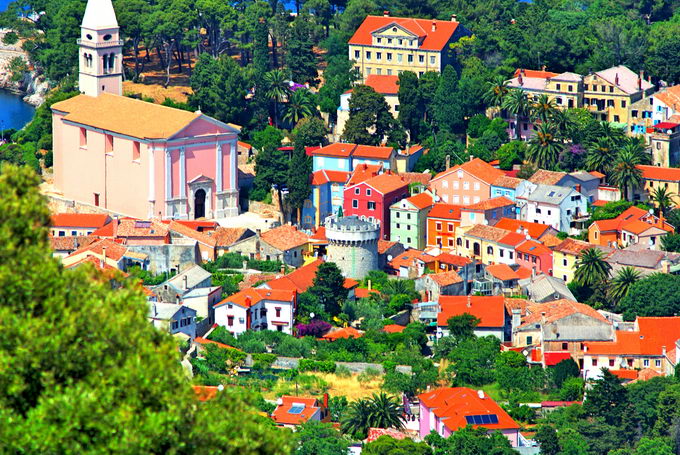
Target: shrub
263,361
368,375
342,371
315,328
323,366
293,347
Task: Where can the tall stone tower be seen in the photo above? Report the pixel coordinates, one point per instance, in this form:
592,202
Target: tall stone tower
352,245
101,50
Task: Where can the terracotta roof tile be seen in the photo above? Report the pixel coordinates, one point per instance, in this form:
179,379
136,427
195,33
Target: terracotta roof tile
383,84
324,176
512,239
490,204
284,237
71,243
416,177
505,181
573,246
227,236
375,433
129,227
340,149
114,251
421,200
203,341
384,245
79,220
670,96
250,279
386,183
186,231
542,74
485,232
502,272
489,309
535,230
550,240
205,392
476,167
249,297
453,259
405,259
282,414
124,115
393,328
346,332
422,28
667,174
653,334
445,211
363,293
446,278
533,247
301,279
556,310
544,177
364,172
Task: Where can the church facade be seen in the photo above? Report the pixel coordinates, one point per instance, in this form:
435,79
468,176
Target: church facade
132,157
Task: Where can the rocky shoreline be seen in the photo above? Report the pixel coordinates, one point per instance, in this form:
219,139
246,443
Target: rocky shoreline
32,86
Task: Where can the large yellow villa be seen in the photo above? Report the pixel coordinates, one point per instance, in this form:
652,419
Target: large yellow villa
386,45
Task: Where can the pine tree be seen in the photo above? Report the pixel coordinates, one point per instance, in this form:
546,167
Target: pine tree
448,114
369,117
299,173
410,104
219,88
301,60
260,103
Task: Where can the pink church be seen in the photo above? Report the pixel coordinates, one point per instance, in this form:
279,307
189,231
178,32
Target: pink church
132,157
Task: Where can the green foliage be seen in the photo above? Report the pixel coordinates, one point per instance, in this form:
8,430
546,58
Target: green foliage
671,242
318,438
299,170
147,277
471,441
463,326
263,361
369,117
386,445
448,114
271,164
435,160
547,438
378,411
219,88
329,287
301,59
511,153
564,370
591,267
368,375
327,366
473,360
572,389
654,295
607,399
125,378
411,108
377,278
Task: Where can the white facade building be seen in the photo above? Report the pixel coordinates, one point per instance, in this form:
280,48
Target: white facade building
257,309
556,206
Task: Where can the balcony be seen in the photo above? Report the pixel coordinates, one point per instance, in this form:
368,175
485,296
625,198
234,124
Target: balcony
111,43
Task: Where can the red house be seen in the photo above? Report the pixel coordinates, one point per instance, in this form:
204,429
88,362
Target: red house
534,255
372,199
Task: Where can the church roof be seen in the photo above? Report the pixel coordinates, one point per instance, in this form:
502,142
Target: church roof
123,115
99,14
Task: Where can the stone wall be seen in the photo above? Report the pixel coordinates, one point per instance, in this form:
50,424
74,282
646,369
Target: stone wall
162,258
354,260
289,363
58,204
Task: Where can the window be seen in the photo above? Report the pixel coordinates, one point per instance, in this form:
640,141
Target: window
371,205
501,252
278,311
466,200
565,346
489,250
108,144
83,138
511,254
538,210
389,72
594,361
135,151
645,363
355,204
399,57
570,88
564,262
466,185
356,54
455,184
611,362
530,339
432,59
634,113
409,59
175,325
408,239
74,233
475,199
558,100
408,227
389,56
456,199
623,103
230,321
368,191
379,40
368,55
439,241
559,86
611,89
398,215
378,55
421,59
408,216
476,186
389,40
657,363
585,86
62,233
378,71
96,199
401,42
450,227
357,190
439,226
610,103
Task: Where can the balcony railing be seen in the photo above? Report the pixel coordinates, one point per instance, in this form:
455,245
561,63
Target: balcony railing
111,43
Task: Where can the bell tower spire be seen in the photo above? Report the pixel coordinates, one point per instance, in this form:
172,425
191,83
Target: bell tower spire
101,50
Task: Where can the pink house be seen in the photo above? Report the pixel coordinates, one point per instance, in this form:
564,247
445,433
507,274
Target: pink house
467,183
132,157
534,255
448,409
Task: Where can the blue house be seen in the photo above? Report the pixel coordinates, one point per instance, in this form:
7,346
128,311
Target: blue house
173,318
326,197
345,157
510,187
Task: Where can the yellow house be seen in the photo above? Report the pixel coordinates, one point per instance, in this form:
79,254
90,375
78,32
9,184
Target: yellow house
566,89
385,45
481,242
564,258
609,94
654,177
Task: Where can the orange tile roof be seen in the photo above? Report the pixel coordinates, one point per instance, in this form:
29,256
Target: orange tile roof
653,334
186,231
412,150
386,183
320,234
637,227
97,263
647,373
631,219
489,309
541,74
384,245
422,28
490,204
346,332
202,341
301,279
502,272
533,247
124,115
536,230
599,175
244,145
445,211
556,310
375,433
670,96
364,172
362,293
324,176
573,246
599,203
340,149
453,404
393,328
477,168
550,240
545,177
281,414
249,297
250,279
668,174
384,84
446,278
505,181
405,259
284,237
71,243
485,232
227,236
371,151
79,220
104,231
129,227
452,259
421,200
114,251
205,392
512,239
523,272
625,374
416,177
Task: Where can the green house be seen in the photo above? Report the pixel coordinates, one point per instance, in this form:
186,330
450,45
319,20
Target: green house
408,220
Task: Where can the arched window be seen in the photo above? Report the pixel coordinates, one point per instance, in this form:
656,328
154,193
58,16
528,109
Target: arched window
489,250
459,241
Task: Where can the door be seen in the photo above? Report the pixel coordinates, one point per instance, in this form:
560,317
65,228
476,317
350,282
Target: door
199,204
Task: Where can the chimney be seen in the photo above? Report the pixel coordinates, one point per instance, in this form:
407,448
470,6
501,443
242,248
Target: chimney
616,79
114,221
516,317
103,261
325,400
283,269
185,282
448,161
472,157
520,80
386,13
640,77
469,302
369,285
663,351
454,18
480,394
434,25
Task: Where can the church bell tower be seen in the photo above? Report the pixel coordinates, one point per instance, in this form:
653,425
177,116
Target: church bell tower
101,50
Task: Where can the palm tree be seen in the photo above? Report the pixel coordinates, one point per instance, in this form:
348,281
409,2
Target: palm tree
625,173
600,155
379,411
622,282
301,104
543,109
355,420
396,287
612,133
277,89
496,92
517,103
544,147
591,268
662,198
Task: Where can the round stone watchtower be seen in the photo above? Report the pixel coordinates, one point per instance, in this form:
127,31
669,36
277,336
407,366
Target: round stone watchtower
352,245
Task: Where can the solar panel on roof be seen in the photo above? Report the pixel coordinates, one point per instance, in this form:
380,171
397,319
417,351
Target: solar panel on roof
296,409
483,419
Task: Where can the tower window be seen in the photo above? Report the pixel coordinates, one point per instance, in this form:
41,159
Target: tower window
107,37
88,36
